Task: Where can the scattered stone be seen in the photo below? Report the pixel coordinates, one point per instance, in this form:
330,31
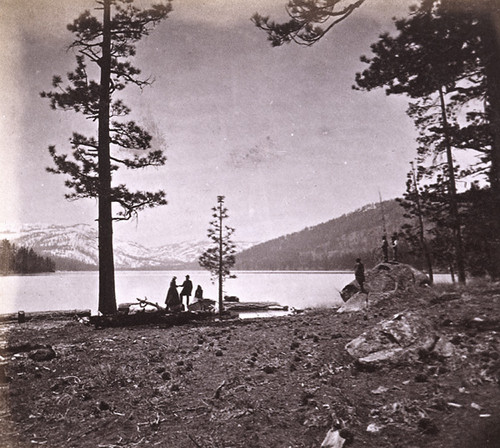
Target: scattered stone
444,348
421,378
482,324
333,439
42,354
269,369
307,396
427,426
103,406
380,390
373,428
294,345
219,353
347,435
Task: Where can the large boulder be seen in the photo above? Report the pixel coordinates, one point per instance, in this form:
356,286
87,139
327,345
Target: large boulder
359,301
404,337
386,277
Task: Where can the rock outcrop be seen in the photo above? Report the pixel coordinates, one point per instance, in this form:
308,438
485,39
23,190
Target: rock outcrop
404,338
387,277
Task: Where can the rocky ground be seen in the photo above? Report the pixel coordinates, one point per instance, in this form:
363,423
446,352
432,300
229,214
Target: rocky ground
280,382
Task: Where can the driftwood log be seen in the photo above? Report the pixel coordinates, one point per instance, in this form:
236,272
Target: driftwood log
156,317
145,302
22,316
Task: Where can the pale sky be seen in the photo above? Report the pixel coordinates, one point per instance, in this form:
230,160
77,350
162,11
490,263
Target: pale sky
278,131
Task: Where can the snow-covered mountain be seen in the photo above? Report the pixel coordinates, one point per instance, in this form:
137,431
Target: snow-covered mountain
75,247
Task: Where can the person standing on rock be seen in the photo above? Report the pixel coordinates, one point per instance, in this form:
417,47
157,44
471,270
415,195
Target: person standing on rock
172,302
359,273
187,288
385,249
394,243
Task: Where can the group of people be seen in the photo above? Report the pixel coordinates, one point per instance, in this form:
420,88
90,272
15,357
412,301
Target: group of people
359,268
174,300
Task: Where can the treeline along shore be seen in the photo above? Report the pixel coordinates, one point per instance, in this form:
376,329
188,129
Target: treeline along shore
22,260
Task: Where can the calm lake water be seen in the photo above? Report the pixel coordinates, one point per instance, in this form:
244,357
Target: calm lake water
78,290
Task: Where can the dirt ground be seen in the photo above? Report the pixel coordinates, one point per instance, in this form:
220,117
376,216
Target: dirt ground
280,382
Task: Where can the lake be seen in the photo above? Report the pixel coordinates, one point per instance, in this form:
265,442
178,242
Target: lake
79,290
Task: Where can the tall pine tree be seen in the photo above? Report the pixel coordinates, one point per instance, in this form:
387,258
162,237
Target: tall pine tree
108,45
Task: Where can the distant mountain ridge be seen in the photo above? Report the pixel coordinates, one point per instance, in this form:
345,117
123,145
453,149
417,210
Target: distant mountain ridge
76,248
332,245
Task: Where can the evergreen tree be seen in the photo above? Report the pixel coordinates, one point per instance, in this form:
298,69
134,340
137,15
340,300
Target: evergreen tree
21,260
415,235
219,258
309,20
108,45
428,62
479,230
469,26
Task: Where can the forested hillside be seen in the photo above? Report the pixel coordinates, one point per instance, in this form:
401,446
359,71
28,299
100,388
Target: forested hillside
333,245
20,260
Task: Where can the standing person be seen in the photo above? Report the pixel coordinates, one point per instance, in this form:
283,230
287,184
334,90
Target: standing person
394,243
359,273
385,249
172,301
187,288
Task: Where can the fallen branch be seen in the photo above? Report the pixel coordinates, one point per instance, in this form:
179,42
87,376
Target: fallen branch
145,302
218,390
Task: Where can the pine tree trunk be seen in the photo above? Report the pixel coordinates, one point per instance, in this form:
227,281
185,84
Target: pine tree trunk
452,272
221,304
107,299
455,217
421,231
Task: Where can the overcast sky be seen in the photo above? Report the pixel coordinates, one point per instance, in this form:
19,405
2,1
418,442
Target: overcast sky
278,131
